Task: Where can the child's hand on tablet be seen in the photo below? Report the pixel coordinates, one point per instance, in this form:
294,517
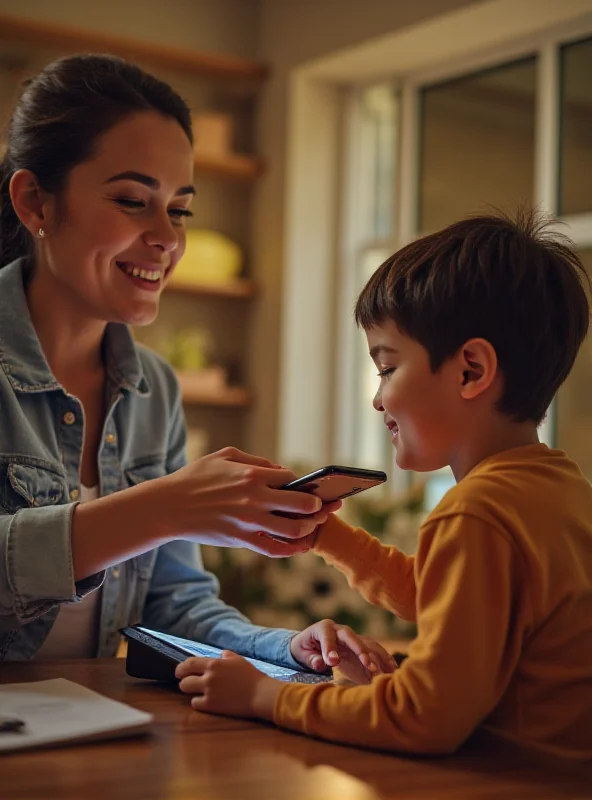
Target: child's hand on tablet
326,644
228,685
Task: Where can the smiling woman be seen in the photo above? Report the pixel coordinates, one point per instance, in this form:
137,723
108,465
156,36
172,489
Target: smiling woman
95,188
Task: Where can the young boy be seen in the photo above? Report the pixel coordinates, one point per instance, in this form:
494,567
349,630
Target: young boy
472,329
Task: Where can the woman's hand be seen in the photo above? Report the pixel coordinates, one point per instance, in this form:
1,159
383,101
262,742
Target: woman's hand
228,685
232,499
326,644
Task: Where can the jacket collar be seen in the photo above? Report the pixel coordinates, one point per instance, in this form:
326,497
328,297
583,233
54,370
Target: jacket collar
22,358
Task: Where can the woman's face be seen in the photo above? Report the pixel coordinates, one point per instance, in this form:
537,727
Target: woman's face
119,230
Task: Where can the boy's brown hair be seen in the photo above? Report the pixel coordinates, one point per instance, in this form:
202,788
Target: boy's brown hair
516,284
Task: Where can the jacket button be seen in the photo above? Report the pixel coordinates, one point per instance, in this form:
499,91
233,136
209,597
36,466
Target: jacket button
74,494
69,418
115,572
110,438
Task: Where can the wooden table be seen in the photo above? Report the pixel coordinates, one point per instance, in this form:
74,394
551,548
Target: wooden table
203,757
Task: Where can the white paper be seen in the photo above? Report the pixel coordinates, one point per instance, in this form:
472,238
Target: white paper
59,710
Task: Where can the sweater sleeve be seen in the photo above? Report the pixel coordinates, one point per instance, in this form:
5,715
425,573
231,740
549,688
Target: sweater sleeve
470,628
383,575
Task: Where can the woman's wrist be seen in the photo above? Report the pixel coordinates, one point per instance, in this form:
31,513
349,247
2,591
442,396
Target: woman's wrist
117,527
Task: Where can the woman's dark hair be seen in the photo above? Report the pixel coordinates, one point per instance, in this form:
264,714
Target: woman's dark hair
58,119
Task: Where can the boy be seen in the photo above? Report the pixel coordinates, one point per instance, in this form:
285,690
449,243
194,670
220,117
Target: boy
472,329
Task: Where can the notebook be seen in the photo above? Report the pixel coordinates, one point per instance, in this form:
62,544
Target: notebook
59,711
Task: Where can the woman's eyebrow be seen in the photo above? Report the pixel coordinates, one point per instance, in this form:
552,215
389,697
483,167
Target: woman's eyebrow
146,180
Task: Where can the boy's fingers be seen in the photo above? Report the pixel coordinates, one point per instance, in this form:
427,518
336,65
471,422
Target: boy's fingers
317,663
352,640
192,666
192,684
328,642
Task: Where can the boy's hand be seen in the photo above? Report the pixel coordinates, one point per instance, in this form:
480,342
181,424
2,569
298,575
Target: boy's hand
327,644
228,685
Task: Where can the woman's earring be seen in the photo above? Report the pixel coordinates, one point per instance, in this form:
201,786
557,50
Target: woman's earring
41,233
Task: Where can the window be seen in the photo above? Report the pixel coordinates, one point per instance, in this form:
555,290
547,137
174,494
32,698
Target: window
575,192
370,227
477,144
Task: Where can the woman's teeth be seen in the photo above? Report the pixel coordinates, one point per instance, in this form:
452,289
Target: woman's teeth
147,275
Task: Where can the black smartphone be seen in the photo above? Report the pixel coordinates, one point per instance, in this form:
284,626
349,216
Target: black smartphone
334,482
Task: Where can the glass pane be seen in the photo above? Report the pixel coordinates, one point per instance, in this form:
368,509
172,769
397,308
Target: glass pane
574,403
575,196
378,160
477,144
371,437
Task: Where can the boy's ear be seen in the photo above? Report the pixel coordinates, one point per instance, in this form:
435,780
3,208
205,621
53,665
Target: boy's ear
478,362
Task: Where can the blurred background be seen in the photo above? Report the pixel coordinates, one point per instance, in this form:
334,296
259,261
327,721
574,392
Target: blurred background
328,134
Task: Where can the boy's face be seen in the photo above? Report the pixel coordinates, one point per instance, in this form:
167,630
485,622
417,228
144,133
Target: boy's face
423,410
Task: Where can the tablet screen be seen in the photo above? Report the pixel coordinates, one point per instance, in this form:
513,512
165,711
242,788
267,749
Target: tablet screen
207,651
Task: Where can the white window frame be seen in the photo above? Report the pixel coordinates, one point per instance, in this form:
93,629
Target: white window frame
500,31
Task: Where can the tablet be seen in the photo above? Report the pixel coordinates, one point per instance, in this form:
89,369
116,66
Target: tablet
155,655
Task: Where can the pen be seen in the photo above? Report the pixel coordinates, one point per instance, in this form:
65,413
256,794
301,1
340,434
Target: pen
11,725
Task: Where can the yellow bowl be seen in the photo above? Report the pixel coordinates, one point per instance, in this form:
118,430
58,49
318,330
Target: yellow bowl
209,257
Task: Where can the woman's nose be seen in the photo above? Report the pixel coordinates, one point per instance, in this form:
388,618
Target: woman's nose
377,402
162,235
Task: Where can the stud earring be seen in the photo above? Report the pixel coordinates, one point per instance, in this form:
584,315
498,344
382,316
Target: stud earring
41,233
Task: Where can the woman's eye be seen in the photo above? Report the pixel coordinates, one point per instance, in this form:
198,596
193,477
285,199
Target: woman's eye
384,373
129,202
180,213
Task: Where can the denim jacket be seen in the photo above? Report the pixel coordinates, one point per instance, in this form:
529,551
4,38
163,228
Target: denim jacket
41,438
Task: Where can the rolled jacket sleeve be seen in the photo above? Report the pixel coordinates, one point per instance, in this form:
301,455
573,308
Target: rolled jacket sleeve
36,570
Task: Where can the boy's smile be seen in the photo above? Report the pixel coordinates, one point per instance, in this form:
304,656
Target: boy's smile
421,409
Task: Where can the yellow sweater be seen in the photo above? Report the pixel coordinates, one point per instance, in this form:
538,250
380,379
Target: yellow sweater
501,589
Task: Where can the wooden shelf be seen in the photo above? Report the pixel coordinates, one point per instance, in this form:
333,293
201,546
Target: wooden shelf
67,39
235,167
194,393
239,289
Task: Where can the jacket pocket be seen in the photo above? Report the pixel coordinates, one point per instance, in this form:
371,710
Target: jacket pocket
29,486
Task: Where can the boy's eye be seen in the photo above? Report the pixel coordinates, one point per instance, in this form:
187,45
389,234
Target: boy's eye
384,373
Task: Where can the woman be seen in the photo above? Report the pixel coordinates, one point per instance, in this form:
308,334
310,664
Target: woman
95,189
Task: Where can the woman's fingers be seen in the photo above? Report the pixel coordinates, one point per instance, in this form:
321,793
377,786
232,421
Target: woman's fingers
234,454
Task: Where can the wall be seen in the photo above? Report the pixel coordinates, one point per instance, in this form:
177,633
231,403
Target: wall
219,26
290,34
